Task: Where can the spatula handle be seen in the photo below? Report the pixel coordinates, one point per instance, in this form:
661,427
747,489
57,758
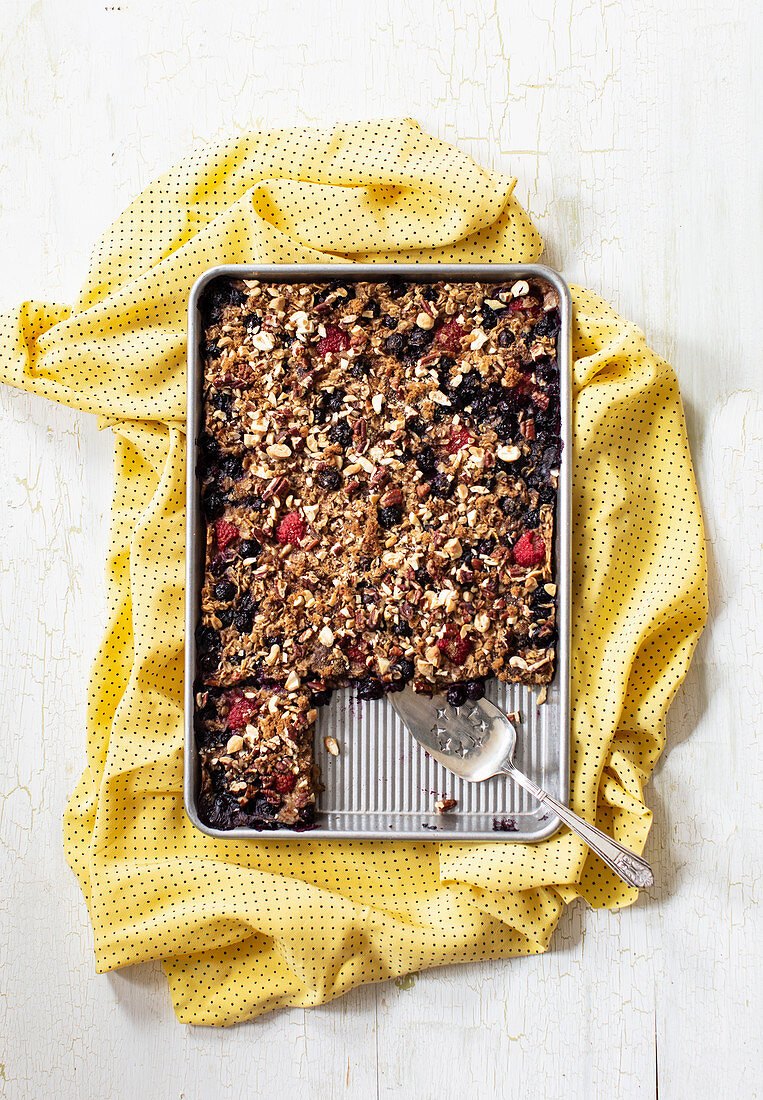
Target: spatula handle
632,869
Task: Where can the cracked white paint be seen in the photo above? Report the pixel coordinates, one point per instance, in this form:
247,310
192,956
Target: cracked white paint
631,130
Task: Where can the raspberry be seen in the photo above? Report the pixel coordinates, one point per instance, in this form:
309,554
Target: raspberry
458,439
452,644
291,529
461,651
352,650
239,714
334,340
530,549
449,337
225,532
285,783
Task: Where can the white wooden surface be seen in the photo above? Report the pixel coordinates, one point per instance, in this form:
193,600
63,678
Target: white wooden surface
631,128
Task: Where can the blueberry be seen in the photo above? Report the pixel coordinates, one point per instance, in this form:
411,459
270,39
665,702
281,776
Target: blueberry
394,344
416,426
320,698
243,615
259,807
232,467
341,433
430,293
209,659
225,615
207,638
209,349
403,669
330,479
307,814
426,460
329,402
546,636
219,294
423,577
551,456
209,447
223,401
370,688
391,516
225,591
482,410
359,368
214,504
509,506
373,308
548,325
506,338
440,412
249,548
389,321
485,547
272,639
397,287
475,689
420,338
467,391
540,596
489,319
327,290
218,565
456,695
332,399
254,502
251,321
546,494
400,629
506,428
442,486
547,371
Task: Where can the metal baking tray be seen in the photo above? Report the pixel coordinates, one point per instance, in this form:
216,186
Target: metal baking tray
383,786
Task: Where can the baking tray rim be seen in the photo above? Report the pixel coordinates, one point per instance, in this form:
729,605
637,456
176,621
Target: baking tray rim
379,273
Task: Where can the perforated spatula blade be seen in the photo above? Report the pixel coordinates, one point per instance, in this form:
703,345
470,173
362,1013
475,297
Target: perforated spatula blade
477,741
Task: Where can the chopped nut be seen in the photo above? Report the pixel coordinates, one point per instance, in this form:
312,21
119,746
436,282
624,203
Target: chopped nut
326,636
377,402
332,745
425,321
292,682
508,454
482,621
278,450
263,341
235,744
520,289
445,805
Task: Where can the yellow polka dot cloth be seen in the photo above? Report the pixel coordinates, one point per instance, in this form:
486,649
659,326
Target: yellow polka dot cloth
244,927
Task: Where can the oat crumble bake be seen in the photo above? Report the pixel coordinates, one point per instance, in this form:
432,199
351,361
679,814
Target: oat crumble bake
378,468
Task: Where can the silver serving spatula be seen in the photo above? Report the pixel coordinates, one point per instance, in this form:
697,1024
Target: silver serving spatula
477,741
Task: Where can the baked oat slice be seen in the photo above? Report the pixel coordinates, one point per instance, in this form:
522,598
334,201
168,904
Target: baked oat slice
379,469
